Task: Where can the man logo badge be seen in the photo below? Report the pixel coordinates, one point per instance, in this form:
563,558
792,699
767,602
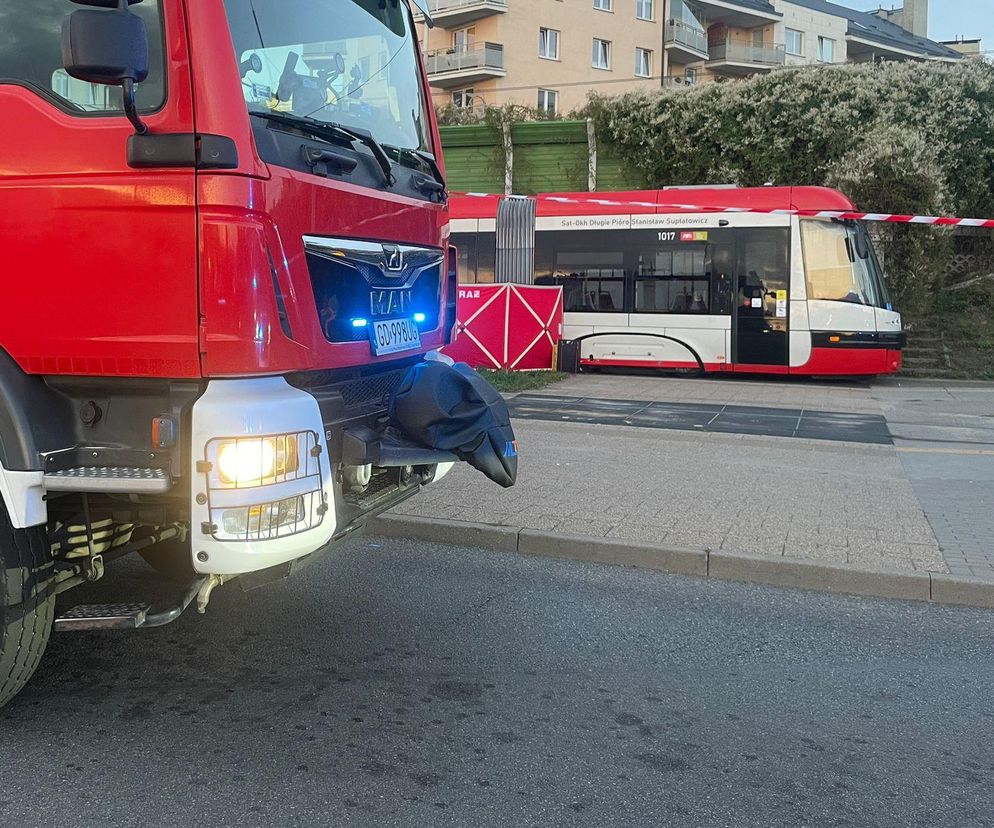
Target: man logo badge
390,302
393,257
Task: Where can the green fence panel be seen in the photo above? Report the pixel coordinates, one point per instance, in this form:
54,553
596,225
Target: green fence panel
473,159
549,156
613,173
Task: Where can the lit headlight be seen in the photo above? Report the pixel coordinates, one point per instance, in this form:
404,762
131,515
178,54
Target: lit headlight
263,488
256,460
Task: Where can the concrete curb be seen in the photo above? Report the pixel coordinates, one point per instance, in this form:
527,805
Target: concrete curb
612,551
790,572
726,565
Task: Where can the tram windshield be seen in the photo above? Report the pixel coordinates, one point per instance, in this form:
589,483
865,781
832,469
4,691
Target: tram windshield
841,265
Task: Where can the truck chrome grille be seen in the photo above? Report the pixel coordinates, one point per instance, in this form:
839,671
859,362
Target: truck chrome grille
359,280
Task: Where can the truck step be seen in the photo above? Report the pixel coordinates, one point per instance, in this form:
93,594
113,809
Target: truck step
120,479
102,617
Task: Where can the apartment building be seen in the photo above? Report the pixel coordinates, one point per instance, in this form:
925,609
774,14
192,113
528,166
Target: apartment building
551,53
968,47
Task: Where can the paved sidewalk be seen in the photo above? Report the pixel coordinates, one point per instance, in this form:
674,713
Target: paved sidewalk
957,494
784,498
944,434
925,503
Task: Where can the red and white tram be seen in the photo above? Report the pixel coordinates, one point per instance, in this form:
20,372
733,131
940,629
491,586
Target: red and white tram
655,285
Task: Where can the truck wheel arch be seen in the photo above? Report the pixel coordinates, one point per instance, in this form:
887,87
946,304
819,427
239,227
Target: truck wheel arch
33,419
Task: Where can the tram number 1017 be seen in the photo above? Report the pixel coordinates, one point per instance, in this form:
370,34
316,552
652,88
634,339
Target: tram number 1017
668,235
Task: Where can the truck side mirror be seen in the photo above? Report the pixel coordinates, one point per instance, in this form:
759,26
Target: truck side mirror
108,47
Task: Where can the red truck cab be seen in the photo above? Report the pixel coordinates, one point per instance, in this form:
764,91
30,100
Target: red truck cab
218,267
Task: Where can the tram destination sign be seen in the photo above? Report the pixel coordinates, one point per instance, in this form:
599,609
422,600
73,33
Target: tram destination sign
650,221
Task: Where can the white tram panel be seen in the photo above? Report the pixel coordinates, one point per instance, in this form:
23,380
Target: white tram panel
887,321
709,336
472,225
799,338
704,334
829,315
682,347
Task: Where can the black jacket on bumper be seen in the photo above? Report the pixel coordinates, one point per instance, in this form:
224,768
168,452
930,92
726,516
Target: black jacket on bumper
453,408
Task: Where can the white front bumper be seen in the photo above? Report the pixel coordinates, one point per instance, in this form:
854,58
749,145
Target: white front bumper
253,408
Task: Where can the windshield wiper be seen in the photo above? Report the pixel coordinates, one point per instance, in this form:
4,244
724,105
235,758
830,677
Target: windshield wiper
424,160
333,131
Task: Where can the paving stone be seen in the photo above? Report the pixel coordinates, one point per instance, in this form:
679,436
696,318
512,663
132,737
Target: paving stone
697,491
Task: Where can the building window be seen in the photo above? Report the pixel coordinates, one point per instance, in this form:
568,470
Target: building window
691,75
464,39
643,62
826,50
548,44
602,54
463,98
602,5
795,42
643,9
548,100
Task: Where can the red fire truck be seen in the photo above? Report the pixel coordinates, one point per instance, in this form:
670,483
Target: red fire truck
225,231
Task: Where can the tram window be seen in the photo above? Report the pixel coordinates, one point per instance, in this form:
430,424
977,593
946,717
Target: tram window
486,255
839,264
762,267
864,277
883,295
465,244
721,265
592,278
592,291
672,280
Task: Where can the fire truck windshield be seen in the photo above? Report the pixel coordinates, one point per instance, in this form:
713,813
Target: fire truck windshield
347,62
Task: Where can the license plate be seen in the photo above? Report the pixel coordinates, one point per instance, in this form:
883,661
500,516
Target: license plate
391,335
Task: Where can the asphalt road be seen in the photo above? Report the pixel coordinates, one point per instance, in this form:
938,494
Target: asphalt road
402,684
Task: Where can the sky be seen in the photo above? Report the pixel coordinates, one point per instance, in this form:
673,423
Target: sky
947,19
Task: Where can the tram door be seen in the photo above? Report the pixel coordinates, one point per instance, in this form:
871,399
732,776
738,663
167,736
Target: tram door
761,305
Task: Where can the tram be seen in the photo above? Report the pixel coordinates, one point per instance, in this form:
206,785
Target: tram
668,279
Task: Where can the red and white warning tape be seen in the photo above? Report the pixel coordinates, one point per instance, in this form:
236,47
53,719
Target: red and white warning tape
943,221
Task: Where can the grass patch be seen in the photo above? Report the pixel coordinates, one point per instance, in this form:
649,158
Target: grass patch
510,381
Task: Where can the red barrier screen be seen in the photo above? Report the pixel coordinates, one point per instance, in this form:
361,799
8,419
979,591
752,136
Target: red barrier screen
511,327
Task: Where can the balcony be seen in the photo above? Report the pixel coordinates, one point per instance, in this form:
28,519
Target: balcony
685,43
680,82
743,13
460,67
738,58
454,14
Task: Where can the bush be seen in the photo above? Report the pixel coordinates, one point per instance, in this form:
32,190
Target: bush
897,138
494,116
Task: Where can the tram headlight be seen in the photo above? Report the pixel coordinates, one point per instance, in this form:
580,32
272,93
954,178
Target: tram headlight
255,460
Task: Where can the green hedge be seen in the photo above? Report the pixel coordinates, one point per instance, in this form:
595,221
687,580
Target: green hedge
897,138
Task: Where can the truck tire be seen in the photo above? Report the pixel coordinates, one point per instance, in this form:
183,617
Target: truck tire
24,553
171,558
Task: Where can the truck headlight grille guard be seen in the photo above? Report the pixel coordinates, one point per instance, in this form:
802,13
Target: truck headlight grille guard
263,487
